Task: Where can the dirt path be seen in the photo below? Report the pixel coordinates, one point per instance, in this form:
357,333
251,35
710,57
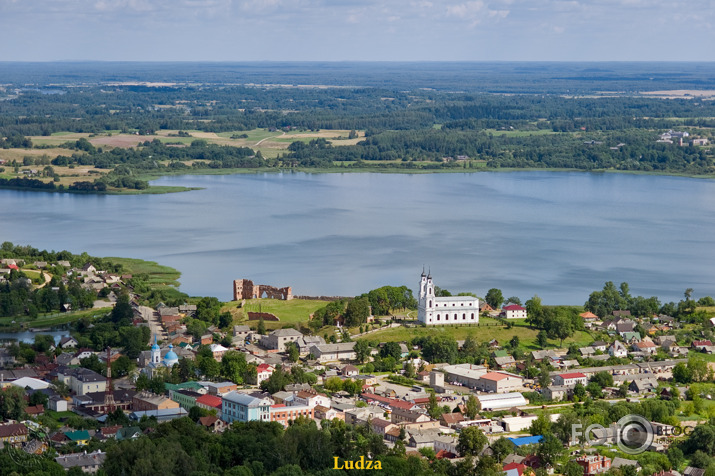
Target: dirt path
271,137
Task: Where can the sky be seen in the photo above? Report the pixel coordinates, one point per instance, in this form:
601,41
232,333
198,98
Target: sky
357,30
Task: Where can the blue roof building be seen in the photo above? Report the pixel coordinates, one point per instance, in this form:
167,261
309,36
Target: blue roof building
526,440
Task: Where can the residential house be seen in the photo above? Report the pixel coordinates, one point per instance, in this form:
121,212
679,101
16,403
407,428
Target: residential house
334,352
241,334
400,415
311,399
618,349
600,345
381,427
326,413
68,342
263,372
645,385
513,311
423,439
221,388
622,462
701,344
278,339
594,464
631,337
243,407
79,437
210,402
217,350
570,379
349,371
306,342
557,392
587,351
87,462
451,420
82,381
144,401
646,347
588,317
212,423
13,434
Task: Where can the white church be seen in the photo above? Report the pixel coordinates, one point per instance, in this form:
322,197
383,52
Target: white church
436,311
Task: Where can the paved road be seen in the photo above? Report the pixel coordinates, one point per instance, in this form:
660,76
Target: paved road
152,317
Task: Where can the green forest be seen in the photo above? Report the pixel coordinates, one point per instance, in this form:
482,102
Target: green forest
418,124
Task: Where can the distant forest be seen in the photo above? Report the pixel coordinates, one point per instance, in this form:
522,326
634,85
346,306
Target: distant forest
502,115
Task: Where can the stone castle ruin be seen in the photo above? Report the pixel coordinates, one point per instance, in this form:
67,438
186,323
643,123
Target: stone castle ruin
245,289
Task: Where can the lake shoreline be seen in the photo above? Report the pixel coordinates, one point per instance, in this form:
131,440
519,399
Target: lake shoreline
160,189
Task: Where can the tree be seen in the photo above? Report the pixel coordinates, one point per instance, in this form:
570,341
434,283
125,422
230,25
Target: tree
472,407
12,403
123,366
549,449
603,379
122,311
293,352
277,381
559,327
579,391
208,310
699,369
572,468
544,376
514,342
512,300
261,329
471,441
494,298
357,312
594,389
391,349
682,374
433,408
534,312
502,448
362,350
540,426
542,339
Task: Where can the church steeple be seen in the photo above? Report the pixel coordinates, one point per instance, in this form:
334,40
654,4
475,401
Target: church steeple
155,352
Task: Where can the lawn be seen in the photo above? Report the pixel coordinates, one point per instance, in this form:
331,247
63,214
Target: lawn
487,330
159,275
52,320
295,311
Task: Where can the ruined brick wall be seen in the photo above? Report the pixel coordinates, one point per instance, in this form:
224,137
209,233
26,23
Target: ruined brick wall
267,316
245,289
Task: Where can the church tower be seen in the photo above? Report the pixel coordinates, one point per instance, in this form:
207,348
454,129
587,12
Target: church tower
155,352
425,301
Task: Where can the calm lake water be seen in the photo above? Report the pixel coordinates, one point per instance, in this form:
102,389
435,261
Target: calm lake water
555,234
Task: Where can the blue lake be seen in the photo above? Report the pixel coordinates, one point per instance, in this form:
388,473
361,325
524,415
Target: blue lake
560,235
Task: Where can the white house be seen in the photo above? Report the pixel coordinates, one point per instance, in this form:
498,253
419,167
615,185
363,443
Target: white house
440,310
263,372
618,349
514,311
570,379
